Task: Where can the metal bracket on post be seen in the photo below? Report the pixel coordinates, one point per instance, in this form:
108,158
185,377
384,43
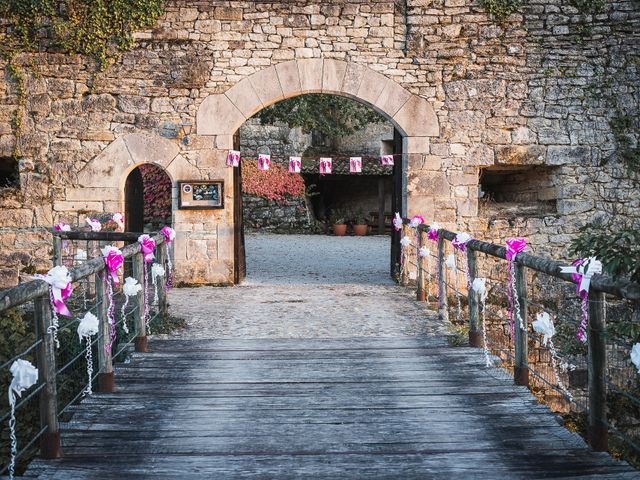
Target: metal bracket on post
475,331
138,316
50,446
421,294
598,432
521,363
106,378
442,286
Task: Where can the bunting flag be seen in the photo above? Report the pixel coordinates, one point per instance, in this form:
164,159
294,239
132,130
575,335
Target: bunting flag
355,164
326,166
295,164
233,158
386,160
264,161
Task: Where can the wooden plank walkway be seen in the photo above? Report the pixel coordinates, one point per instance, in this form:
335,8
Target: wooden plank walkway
404,408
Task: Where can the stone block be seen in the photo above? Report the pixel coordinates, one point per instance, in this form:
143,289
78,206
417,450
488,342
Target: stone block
245,98
133,103
19,217
519,155
289,77
217,115
392,98
416,118
111,163
144,147
9,277
267,86
371,87
310,71
63,206
333,75
91,194
561,155
227,13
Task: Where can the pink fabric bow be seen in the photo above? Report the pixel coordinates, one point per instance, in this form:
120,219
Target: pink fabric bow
397,222
60,282
432,234
113,259
62,227
147,246
169,233
514,246
59,296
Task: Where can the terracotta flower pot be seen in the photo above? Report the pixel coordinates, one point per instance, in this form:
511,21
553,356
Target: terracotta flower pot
340,230
360,230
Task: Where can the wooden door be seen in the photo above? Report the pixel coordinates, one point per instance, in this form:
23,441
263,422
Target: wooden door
240,265
397,201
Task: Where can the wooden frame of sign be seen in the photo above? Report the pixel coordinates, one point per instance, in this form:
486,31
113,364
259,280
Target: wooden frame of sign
200,194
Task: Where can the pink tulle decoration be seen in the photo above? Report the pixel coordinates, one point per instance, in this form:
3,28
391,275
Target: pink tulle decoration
147,246
113,259
514,246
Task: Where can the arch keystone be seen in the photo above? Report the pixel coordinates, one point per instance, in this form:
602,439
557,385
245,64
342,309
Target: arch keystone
333,72
289,77
310,70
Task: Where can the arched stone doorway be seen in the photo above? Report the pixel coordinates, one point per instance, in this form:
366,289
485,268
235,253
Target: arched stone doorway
147,193
221,115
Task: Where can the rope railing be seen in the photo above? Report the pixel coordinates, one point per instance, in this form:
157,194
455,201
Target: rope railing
63,372
539,286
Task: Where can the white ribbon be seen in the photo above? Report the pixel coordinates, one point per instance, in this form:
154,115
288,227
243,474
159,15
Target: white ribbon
157,270
88,327
635,356
587,269
479,285
130,288
450,262
544,326
25,375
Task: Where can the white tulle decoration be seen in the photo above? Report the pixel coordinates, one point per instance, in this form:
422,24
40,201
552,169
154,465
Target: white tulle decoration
479,285
406,241
25,375
95,225
544,326
157,270
80,255
424,252
450,262
87,328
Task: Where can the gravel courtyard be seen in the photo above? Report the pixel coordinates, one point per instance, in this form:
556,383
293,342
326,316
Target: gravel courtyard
307,286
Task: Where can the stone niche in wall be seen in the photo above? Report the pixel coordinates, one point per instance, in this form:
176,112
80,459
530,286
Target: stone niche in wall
517,191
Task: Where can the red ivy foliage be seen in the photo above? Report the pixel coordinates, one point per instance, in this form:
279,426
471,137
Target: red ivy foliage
157,194
275,184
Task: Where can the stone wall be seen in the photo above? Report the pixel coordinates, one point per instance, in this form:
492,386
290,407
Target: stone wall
291,216
466,92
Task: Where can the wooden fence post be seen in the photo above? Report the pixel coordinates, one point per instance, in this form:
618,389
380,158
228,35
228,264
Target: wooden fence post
57,250
162,291
442,287
475,331
46,362
421,294
138,315
106,378
598,431
521,362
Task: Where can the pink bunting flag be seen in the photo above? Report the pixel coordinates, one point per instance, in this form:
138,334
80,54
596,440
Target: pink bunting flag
386,160
326,166
264,161
233,158
355,164
295,164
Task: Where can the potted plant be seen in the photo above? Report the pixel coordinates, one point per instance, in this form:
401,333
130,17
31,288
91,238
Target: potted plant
339,221
360,226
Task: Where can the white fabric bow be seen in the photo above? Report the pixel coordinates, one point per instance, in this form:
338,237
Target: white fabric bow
131,287
479,286
544,326
424,252
589,267
95,225
157,270
405,241
25,375
88,325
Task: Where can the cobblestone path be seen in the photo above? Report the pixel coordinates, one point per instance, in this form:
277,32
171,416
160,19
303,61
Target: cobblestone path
307,286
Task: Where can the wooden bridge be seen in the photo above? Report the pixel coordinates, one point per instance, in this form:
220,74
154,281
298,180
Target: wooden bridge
356,407
348,408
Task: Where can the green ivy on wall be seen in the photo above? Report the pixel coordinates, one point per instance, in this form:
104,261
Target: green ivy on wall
500,9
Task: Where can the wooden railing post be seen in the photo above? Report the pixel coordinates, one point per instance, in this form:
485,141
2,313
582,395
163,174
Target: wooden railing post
421,294
404,259
141,328
57,250
106,378
46,361
442,286
162,291
521,362
598,431
475,331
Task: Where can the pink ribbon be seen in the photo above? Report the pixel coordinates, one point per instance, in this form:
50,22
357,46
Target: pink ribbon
169,233
59,296
147,246
460,241
416,220
432,234
514,246
113,261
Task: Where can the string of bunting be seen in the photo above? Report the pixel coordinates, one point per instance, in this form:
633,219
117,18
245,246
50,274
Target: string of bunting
325,164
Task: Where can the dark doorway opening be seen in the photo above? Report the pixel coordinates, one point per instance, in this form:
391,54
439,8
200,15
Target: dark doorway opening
147,199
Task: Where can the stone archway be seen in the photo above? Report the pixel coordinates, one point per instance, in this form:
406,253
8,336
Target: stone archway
220,115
